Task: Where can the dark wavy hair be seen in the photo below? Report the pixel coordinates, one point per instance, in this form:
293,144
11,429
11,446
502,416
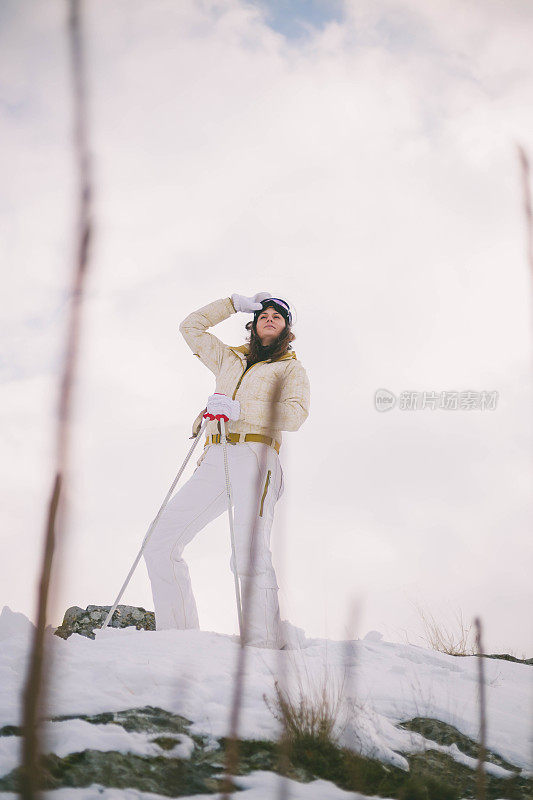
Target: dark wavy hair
275,350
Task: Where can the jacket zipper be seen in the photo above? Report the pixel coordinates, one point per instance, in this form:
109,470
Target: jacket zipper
246,370
244,373
265,490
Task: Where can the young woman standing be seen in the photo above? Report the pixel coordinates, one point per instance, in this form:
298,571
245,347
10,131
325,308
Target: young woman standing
246,377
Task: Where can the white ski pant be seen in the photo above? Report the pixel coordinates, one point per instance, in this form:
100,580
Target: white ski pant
256,479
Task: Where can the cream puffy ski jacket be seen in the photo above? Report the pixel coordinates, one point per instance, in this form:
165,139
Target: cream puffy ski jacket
251,387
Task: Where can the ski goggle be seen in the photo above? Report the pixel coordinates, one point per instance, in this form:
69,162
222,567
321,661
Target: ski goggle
280,305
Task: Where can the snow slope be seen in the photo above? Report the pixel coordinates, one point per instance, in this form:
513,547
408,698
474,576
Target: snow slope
257,786
191,673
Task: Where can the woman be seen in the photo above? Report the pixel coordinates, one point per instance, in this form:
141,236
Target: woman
262,389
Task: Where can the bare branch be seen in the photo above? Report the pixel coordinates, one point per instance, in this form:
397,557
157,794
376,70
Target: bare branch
480,794
232,749
36,678
528,212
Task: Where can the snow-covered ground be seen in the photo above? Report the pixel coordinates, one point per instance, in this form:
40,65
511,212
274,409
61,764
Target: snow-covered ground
257,786
191,673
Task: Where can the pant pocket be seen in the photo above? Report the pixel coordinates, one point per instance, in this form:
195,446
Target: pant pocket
265,490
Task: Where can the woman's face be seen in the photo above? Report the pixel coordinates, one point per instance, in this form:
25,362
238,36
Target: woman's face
270,324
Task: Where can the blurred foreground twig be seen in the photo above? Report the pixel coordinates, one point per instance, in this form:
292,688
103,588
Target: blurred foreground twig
482,714
232,749
35,686
528,211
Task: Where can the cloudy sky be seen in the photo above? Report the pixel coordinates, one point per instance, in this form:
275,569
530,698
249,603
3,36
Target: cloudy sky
357,158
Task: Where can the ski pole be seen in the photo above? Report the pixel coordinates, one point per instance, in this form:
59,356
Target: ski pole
223,420
154,523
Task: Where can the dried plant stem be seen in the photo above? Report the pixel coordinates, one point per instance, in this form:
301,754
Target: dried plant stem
32,689
350,670
312,714
36,678
283,792
528,210
284,764
439,637
482,714
232,747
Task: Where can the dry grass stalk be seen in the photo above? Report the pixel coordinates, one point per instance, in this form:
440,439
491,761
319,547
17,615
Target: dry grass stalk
312,714
313,719
33,690
284,764
439,637
480,783
528,210
283,747
350,666
232,747
36,678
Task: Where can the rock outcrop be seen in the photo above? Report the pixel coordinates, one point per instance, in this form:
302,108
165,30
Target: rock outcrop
86,621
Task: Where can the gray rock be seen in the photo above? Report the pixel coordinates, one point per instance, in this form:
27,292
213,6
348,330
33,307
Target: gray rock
86,621
72,614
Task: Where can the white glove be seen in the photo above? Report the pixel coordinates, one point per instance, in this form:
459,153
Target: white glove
220,405
249,304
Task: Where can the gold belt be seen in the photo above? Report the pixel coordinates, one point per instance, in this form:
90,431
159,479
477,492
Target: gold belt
234,438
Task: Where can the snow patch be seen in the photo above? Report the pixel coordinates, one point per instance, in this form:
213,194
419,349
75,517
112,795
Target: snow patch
13,624
191,673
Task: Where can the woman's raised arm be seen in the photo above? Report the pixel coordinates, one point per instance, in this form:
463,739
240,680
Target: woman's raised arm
207,346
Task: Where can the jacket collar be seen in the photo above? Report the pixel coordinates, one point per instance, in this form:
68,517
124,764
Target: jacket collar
245,349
